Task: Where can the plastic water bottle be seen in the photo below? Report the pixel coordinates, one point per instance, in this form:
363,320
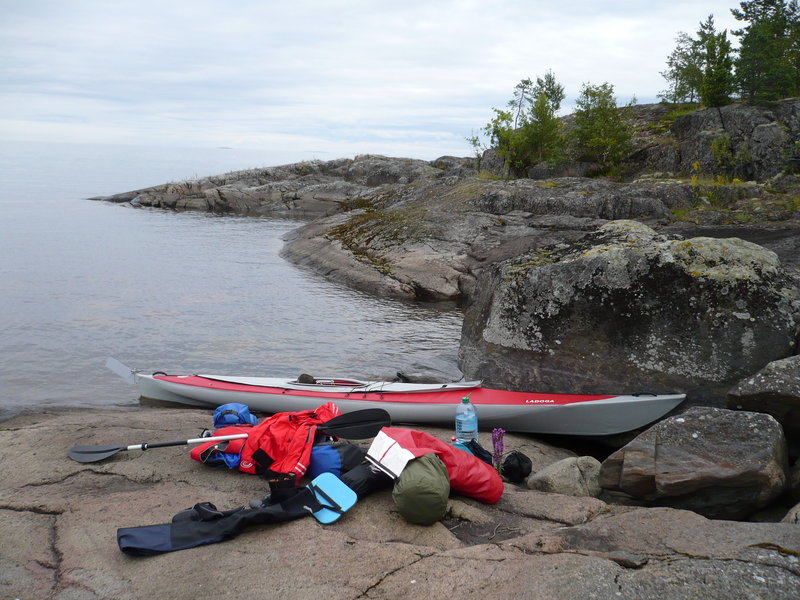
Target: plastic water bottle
466,422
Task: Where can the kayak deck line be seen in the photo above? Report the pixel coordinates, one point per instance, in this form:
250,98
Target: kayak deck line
334,384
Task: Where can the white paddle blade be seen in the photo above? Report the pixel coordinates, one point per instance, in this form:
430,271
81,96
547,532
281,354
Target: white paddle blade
120,369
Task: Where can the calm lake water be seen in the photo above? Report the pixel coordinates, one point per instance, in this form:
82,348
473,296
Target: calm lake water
177,292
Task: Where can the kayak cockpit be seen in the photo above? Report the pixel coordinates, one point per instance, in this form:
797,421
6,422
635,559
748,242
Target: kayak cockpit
314,382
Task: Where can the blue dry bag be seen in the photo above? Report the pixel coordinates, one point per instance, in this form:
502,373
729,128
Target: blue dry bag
233,414
334,458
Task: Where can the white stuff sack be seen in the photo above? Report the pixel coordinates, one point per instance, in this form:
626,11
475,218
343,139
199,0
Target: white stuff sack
388,455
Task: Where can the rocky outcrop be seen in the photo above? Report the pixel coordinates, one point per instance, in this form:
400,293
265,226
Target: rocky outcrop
625,306
718,463
64,516
425,230
740,140
774,390
751,142
431,241
313,187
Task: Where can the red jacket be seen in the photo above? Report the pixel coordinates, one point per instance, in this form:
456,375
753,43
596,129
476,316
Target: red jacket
282,443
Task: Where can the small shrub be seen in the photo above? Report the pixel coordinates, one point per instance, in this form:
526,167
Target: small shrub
792,156
681,110
730,162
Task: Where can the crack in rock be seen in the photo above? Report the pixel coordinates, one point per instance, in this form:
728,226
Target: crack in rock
365,593
69,476
776,548
31,509
54,566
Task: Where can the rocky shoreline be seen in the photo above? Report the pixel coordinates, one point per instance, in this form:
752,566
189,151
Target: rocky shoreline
426,230
58,521
675,279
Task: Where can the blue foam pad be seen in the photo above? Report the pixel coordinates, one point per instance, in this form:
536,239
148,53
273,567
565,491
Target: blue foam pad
334,493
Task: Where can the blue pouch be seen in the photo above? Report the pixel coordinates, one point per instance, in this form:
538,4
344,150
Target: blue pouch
233,413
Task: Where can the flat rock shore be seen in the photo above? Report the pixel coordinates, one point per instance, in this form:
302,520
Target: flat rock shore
58,523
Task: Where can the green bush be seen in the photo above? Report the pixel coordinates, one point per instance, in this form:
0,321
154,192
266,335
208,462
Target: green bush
530,132
603,132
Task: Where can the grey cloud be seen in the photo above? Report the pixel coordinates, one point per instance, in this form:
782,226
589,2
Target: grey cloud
332,72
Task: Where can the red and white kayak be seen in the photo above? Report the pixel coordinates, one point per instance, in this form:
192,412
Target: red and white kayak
421,403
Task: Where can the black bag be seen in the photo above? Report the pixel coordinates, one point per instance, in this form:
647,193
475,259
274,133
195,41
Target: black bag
479,451
516,467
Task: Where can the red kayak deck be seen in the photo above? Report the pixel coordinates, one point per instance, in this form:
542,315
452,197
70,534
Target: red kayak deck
478,395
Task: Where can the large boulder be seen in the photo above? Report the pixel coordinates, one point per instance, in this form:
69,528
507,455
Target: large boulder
627,310
793,516
574,476
719,463
774,390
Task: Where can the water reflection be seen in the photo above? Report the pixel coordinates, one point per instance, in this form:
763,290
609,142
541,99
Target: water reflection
189,292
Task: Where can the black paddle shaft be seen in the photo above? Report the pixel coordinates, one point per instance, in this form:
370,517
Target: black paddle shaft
148,445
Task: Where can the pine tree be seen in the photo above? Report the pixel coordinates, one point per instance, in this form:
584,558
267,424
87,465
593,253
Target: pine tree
717,82
684,72
522,100
553,91
542,131
701,67
768,66
753,11
603,132
530,132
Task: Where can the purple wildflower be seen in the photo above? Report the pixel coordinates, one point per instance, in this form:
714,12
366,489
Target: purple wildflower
497,446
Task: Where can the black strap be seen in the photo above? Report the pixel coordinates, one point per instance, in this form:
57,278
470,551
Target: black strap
263,462
333,505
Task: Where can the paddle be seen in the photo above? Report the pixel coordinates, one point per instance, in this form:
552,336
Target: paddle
120,369
357,425
87,454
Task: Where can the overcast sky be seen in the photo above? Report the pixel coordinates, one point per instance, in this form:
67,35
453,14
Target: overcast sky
333,78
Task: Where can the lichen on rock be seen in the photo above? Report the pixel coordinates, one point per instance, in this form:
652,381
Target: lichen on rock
626,308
